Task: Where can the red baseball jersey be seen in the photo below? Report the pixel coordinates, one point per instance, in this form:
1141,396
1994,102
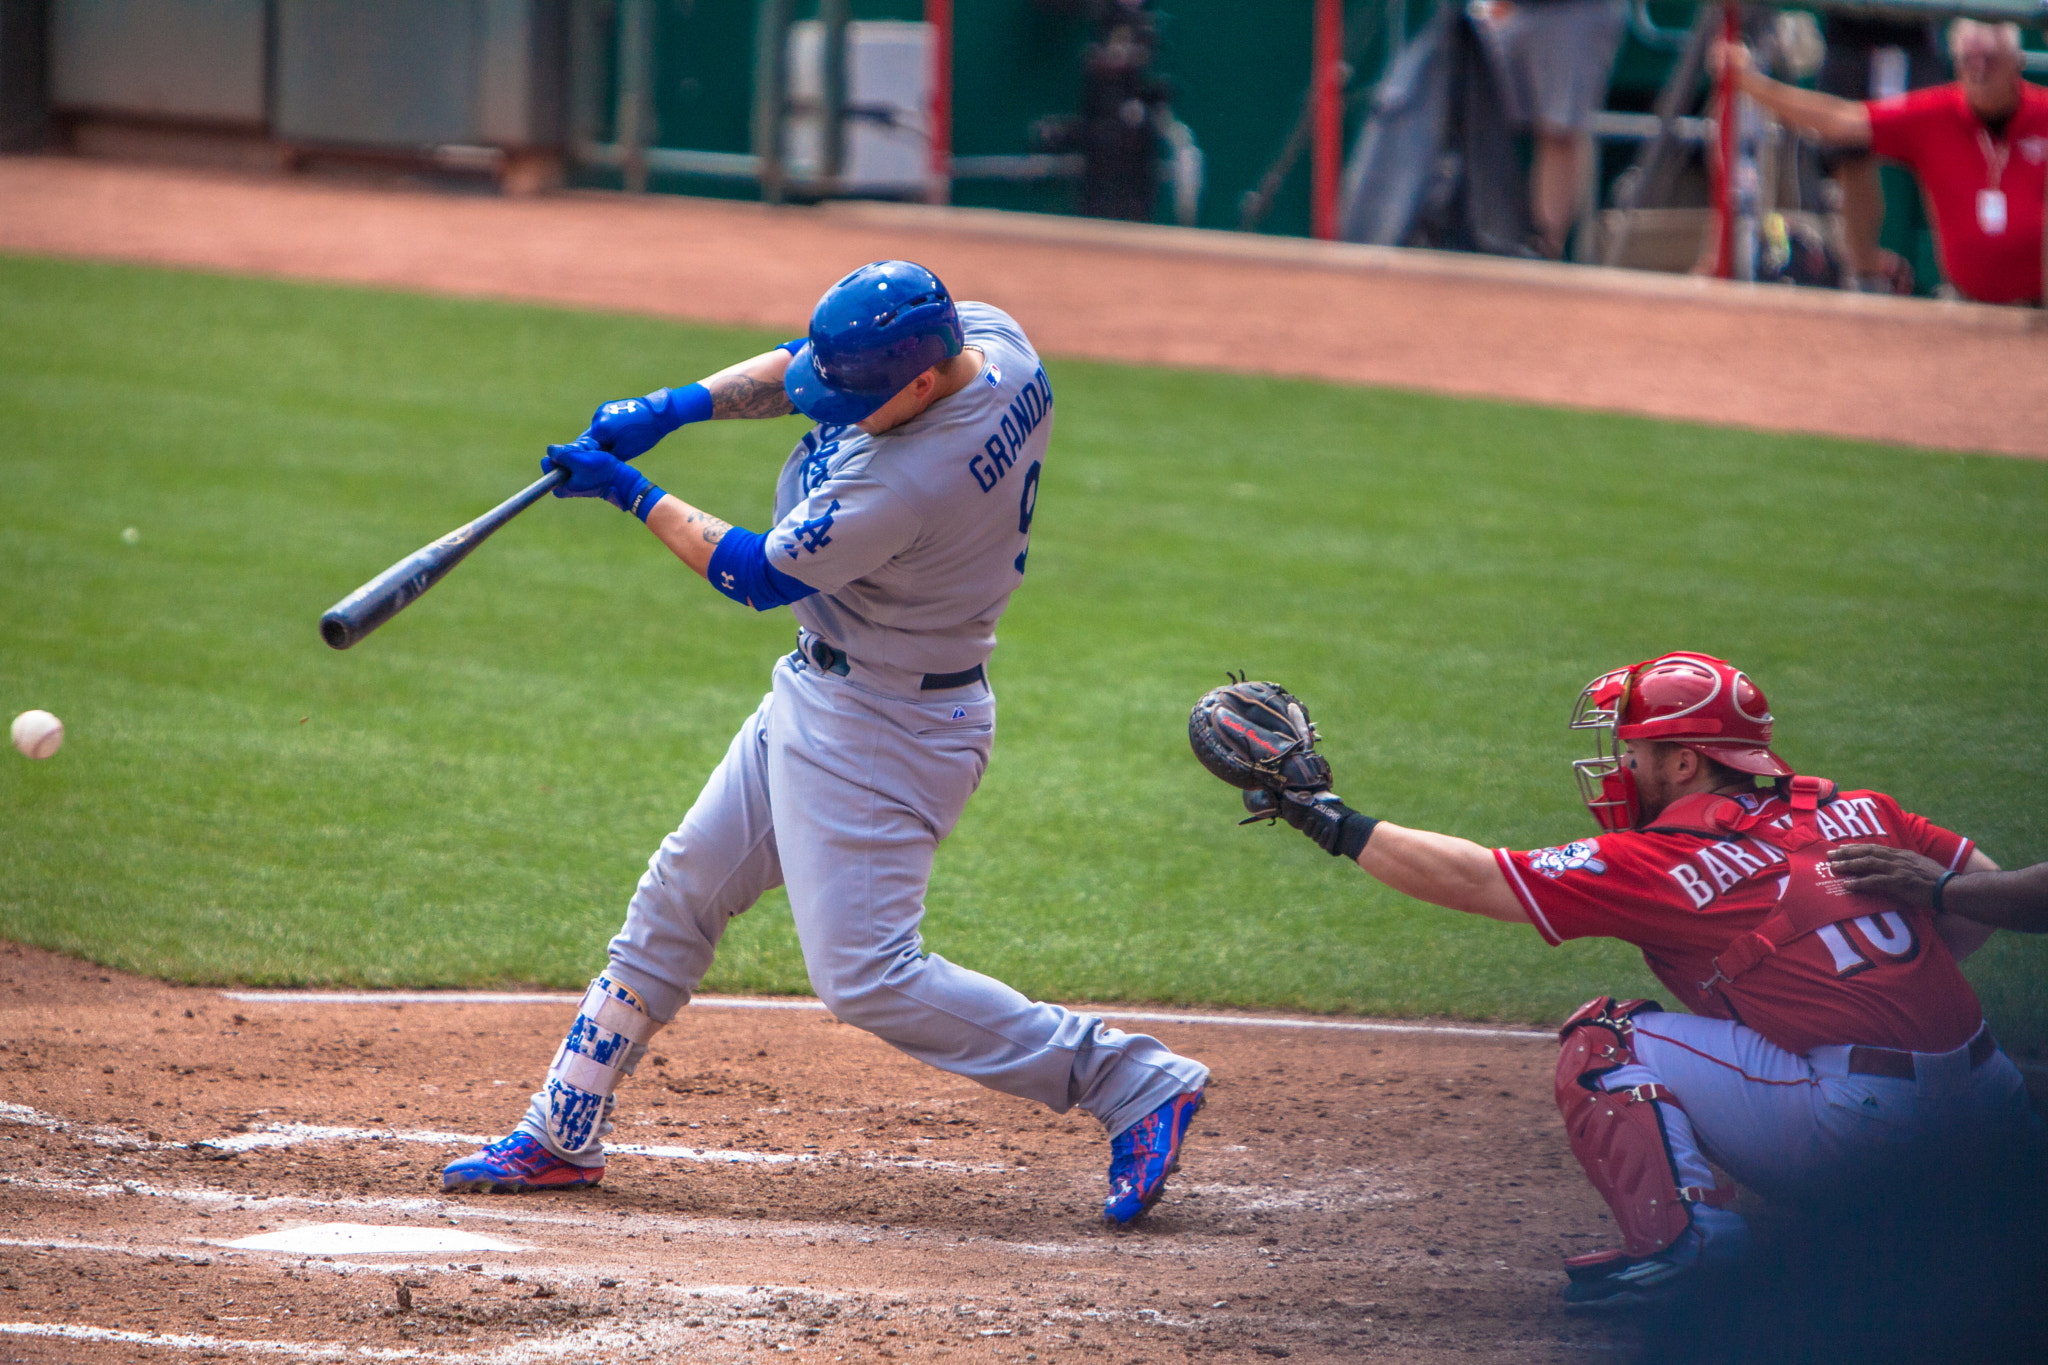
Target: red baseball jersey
1685,890
1986,194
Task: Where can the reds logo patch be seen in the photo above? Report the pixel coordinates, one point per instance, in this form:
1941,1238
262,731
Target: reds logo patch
1580,853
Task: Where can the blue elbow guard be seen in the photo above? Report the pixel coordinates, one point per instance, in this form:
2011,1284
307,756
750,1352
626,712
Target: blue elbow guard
739,568
793,346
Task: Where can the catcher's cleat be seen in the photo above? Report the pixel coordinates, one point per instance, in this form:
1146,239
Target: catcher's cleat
516,1165
1614,1282
1143,1155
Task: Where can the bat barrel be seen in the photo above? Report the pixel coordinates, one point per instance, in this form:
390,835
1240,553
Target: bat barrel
356,615
384,596
390,592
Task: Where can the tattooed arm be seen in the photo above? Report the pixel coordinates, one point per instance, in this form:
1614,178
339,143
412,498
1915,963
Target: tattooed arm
752,388
692,534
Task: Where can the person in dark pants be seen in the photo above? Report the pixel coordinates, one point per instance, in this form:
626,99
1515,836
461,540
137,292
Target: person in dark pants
1873,59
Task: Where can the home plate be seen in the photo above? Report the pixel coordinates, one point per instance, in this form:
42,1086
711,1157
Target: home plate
368,1239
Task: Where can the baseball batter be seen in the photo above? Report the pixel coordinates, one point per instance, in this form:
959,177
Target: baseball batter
902,526
1832,1040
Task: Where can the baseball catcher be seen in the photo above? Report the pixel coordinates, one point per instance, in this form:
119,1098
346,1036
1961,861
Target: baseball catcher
1832,1044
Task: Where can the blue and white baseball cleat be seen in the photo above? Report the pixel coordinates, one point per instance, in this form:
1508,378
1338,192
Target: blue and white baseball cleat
516,1165
1143,1155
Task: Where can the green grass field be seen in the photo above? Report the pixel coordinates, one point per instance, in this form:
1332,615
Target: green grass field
468,797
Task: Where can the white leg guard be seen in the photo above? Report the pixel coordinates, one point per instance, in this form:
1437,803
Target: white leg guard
605,1043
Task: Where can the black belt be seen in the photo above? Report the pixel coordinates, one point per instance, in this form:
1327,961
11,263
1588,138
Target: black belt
1889,1061
938,682
835,661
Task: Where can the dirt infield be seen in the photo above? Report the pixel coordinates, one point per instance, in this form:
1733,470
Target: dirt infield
1954,377
1348,1194
791,1187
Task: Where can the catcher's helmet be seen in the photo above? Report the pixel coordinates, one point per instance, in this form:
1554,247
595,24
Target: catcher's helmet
872,333
1695,700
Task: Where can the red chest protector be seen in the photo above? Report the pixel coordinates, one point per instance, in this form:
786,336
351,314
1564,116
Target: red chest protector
1813,896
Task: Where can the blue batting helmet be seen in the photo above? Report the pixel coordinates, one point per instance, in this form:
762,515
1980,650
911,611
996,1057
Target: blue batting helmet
872,333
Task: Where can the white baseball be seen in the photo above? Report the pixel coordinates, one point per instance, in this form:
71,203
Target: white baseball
38,733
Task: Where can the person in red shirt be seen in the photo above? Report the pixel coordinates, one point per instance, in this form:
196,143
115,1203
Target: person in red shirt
1979,146
1832,1039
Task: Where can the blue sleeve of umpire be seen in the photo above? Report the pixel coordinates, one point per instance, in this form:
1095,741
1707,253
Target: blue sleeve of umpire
739,568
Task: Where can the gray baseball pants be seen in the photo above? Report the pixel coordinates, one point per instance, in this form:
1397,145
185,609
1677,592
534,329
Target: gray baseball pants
841,788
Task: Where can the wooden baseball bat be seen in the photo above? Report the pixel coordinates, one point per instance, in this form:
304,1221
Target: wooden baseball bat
399,586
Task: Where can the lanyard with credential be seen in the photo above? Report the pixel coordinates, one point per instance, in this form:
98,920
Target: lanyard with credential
1991,202
1996,154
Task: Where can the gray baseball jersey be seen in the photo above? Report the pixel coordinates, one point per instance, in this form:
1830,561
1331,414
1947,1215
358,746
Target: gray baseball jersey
845,780
916,538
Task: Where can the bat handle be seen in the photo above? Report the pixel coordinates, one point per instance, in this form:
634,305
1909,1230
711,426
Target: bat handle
533,492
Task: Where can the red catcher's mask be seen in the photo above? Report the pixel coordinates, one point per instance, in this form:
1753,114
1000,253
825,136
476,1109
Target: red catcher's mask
1696,700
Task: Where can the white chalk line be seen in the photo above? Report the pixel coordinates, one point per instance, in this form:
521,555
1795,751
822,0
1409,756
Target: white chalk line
740,1002
296,1134
496,1209
187,1341
594,1342
660,1326
592,1276
180,1254
230,1255
1339,1194
95,1134
594,1267
273,1135
277,1135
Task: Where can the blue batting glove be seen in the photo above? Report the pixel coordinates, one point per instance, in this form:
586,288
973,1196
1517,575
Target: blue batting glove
595,473
630,427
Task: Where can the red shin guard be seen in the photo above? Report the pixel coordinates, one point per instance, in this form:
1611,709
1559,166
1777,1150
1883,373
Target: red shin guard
1618,1136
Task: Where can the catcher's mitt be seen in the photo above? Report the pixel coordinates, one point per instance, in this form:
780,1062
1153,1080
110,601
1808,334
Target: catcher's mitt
1257,736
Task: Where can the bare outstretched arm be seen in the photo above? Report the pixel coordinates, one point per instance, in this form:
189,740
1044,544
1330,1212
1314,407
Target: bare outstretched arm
1836,121
1441,869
